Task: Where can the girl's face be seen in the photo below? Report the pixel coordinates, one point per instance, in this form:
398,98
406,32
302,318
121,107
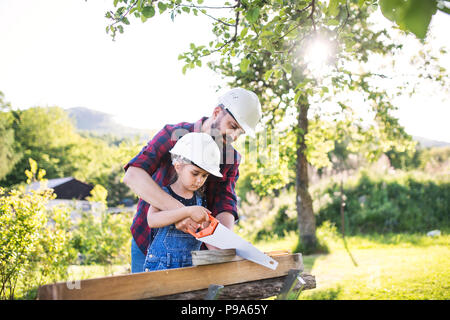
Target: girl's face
191,176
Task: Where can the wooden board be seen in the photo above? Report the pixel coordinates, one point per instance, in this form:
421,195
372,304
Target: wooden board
202,257
168,282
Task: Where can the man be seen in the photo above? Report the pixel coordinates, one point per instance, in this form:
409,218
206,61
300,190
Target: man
237,112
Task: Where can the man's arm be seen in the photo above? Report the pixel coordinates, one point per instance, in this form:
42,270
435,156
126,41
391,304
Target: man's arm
143,185
227,219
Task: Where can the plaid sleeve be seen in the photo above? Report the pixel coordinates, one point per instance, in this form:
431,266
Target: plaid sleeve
225,198
150,156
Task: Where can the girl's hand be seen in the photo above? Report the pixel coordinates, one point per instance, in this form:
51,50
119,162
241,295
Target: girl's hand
199,214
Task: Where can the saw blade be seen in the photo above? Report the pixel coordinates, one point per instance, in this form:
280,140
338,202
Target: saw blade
224,238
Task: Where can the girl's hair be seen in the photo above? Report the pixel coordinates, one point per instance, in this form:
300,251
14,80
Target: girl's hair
174,177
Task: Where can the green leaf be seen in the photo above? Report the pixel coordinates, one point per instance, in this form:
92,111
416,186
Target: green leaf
297,96
268,74
333,22
418,16
333,7
252,15
391,8
139,5
148,11
244,32
244,65
411,15
300,85
162,7
287,67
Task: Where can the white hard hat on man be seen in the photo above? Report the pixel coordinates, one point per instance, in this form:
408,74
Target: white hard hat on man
244,106
200,148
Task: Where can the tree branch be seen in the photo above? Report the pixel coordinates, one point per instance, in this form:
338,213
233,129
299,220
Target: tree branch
346,18
233,39
125,14
311,16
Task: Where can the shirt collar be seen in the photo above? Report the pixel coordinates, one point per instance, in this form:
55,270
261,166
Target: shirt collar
198,124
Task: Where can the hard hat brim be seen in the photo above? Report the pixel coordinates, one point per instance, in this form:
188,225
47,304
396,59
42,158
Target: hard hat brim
212,171
248,130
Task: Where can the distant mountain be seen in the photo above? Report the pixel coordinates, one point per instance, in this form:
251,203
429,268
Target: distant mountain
103,123
428,143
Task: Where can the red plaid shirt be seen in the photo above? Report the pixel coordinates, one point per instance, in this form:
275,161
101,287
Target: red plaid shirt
156,160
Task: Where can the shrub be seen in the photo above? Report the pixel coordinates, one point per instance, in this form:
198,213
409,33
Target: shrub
404,203
33,241
103,239
279,225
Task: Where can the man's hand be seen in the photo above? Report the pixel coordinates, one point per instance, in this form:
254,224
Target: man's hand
225,218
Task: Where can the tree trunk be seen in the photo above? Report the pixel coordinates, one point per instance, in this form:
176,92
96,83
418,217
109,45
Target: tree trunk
305,212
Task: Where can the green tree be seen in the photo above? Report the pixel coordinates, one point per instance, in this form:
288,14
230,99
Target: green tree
9,155
272,48
46,135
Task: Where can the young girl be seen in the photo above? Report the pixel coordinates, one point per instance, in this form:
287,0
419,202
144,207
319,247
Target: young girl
194,157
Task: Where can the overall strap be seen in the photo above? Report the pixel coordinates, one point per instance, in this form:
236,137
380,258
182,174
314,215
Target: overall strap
198,199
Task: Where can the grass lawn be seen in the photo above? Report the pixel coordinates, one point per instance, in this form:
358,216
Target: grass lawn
388,267
76,272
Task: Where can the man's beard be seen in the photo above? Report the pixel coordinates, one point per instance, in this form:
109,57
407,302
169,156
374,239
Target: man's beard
216,129
223,141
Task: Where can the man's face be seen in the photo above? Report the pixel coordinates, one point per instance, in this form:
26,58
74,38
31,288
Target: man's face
225,127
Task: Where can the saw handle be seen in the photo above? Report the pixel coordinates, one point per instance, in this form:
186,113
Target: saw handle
208,230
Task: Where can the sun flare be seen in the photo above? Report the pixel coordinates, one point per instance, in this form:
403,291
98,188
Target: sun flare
316,57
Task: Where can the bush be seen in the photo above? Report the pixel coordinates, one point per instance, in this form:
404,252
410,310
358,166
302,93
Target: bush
102,240
390,204
279,225
38,244
33,241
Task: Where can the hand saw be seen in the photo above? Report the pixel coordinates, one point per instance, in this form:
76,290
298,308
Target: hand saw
216,234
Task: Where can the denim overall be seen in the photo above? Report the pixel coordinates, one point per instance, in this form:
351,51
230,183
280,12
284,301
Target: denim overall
171,248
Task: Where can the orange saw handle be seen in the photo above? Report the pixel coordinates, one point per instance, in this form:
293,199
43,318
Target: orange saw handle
209,230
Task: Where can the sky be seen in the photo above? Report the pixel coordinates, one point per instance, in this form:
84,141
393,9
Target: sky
57,53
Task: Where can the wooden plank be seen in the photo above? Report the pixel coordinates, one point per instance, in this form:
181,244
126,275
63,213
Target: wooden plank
253,290
167,282
202,257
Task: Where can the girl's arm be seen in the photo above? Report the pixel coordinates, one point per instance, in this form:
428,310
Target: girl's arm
157,218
